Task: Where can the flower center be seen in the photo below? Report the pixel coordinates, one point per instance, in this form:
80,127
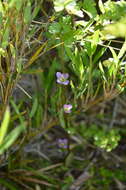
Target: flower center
62,79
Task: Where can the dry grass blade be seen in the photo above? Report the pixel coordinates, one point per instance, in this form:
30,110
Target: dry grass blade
36,55
50,167
37,181
24,91
37,172
20,182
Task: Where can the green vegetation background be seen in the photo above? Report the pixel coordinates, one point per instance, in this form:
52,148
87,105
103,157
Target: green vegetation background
62,95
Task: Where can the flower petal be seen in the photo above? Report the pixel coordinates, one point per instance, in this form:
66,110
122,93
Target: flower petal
70,106
58,74
63,143
67,111
59,81
65,75
67,108
65,82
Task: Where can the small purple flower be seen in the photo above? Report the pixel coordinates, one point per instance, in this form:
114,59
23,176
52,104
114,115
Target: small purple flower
62,78
63,143
67,108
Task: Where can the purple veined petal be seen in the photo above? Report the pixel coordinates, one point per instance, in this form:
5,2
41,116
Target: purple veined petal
67,111
65,82
63,143
59,81
65,146
70,106
67,108
60,140
58,74
65,75
63,140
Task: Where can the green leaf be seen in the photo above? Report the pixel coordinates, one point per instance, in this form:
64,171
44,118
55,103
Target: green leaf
114,10
1,7
59,5
13,51
1,18
69,159
77,62
55,28
114,54
95,41
8,184
18,113
49,78
36,10
99,54
34,107
122,50
102,71
61,118
39,115
16,3
90,7
27,12
19,4
5,36
70,6
11,137
101,6
88,48
111,29
4,125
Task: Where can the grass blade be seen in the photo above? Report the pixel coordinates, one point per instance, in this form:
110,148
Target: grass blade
4,125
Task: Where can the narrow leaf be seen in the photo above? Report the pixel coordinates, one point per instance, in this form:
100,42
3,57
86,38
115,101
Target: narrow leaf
34,108
122,50
4,125
9,140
